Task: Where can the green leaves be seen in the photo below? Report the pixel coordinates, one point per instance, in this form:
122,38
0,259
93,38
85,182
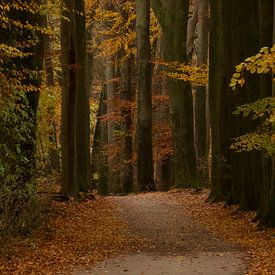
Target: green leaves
264,137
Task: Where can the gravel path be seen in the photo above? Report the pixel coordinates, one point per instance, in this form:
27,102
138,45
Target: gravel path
179,244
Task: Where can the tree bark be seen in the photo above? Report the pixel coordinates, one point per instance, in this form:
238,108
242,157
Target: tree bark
191,30
173,15
145,177
75,133
200,124
242,178
127,143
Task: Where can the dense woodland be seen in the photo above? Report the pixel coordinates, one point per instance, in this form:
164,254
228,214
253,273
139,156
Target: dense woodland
115,97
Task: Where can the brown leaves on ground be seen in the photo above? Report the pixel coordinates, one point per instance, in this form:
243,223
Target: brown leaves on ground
77,235
233,226
80,234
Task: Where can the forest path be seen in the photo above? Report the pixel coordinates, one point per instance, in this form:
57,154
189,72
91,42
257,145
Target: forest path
179,245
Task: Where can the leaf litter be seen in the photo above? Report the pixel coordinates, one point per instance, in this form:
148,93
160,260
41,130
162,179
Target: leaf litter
234,226
78,235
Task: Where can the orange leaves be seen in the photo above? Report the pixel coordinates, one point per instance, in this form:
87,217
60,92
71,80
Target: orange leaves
234,226
78,234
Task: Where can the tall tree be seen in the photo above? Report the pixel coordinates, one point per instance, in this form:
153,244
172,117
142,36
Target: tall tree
191,28
75,133
242,178
173,18
145,177
266,212
127,143
200,129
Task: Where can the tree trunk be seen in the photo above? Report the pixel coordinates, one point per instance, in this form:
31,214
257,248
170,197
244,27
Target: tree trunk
191,30
271,220
68,130
242,178
110,90
75,133
82,100
173,15
127,143
145,177
99,166
200,129
266,212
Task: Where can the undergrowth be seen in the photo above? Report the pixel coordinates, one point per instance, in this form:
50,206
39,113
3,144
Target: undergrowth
20,210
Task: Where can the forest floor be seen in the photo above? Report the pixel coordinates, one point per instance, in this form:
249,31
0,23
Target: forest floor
152,233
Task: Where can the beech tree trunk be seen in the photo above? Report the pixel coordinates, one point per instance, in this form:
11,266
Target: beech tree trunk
110,91
200,123
75,123
127,142
173,15
191,30
266,212
271,212
245,177
99,165
145,177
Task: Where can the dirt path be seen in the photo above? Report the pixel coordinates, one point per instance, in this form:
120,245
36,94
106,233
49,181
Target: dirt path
179,244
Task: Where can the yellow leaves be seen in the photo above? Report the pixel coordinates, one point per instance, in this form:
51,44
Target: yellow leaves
255,141
10,52
272,118
116,30
240,67
184,72
262,62
263,138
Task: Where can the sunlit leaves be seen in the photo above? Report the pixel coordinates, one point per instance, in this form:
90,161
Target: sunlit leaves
264,136
262,62
115,29
185,72
254,141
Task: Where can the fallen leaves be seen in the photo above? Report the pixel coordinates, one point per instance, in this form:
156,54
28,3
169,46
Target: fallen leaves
233,226
77,236
80,234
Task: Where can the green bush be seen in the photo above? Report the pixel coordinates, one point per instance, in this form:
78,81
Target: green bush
19,208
